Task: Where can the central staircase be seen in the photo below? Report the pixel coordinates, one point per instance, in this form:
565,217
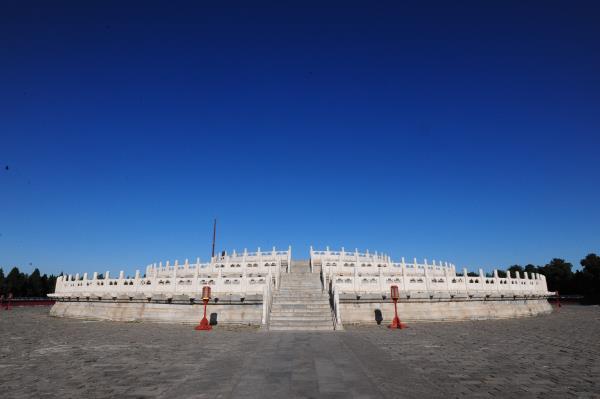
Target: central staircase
300,303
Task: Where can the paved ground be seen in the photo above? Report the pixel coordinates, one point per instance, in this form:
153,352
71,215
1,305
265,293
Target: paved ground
556,356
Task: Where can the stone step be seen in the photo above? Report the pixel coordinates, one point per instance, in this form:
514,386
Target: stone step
301,311
317,306
302,286
312,312
302,324
304,314
299,285
300,317
299,294
301,300
300,303
302,280
301,328
321,304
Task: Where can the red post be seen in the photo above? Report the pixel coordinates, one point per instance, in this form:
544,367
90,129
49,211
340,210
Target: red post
395,296
204,325
9,299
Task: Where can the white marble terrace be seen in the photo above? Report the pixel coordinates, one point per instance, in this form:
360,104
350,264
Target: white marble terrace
244,273
344,272
353,272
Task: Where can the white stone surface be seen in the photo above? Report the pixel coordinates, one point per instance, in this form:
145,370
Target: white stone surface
242,274
366,273
158,312
429,291
359,313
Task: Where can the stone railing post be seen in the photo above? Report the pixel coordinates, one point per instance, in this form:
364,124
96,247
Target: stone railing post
381,290
259,257
447,279
427,282
336,304
496,281
481,280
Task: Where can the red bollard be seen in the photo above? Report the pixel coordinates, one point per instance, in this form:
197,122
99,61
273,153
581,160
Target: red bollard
8,300
204,325
396,322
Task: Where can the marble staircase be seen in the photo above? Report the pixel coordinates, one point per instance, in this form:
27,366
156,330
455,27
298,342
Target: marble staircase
300,304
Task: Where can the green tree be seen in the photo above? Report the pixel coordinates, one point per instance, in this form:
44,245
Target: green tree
514,269
45,287
51,284
34,284
591,264
559,275
15,282
588,280
531,268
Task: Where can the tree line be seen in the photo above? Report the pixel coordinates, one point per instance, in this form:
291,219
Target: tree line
26,285
559,276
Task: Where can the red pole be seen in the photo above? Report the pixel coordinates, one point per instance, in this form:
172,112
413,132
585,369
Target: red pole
204,324
396,323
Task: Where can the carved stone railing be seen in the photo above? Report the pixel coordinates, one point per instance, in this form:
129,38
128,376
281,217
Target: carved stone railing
362,273
241,274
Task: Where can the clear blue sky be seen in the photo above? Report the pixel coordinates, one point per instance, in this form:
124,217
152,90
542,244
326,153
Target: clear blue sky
464,132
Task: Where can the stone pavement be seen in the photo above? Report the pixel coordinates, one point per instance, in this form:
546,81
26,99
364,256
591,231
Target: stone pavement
551,356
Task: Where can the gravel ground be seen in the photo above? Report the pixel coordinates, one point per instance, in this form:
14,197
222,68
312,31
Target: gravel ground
548,356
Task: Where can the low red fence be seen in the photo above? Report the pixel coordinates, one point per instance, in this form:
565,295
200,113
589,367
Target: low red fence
28,302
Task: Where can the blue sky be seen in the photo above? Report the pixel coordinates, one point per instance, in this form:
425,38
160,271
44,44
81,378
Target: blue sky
467,133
